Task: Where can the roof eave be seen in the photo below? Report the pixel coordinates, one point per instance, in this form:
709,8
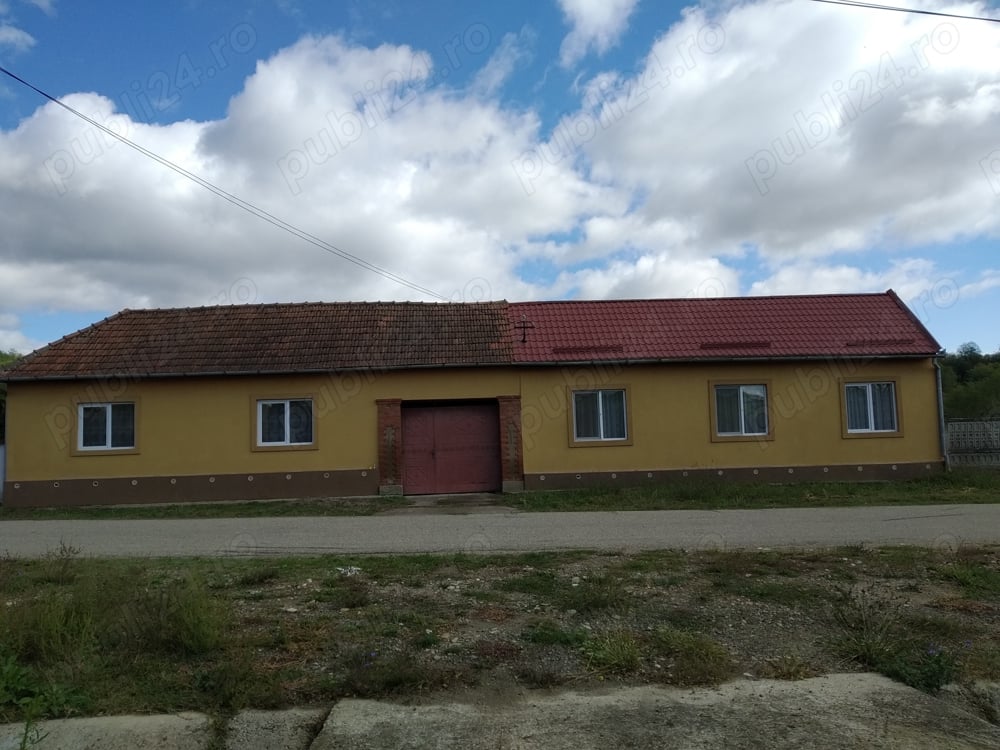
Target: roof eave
467,365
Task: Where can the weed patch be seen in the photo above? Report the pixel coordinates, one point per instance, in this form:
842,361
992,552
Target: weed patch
695,659
977,581
614,652
370,674
541,583
549,633
593,594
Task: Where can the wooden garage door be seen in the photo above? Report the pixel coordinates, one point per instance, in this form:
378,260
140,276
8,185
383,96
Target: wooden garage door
451,448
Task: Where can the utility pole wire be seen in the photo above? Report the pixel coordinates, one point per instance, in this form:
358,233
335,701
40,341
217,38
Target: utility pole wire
876,6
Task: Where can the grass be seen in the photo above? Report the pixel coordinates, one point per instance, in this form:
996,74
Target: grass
924,651
615,652
550,633
90,636
963,485
362,506
958,486
695,659
977,581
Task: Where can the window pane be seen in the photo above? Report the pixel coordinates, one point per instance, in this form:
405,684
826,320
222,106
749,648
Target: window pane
884,406
123,425
300,421
857,408
613,414
95,427
272,422
727,409
586,415
754,409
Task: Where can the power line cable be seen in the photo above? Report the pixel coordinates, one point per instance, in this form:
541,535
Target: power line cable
235,200
876,6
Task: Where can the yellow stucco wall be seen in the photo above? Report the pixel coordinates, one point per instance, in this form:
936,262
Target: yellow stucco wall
671,425
206,425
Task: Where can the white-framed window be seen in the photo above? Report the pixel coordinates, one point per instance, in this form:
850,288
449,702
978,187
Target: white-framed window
871,407
285,422
600,415
741,410
102,427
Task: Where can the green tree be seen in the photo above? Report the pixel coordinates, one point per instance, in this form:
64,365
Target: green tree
971,382
5,359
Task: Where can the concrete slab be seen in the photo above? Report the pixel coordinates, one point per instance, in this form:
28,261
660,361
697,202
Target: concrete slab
845,712
275,730
185,731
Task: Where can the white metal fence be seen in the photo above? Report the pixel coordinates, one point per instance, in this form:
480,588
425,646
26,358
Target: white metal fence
974,443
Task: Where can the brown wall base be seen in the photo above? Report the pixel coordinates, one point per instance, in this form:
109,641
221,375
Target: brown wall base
855,473
138,490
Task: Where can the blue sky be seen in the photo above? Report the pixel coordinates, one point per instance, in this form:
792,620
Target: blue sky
551,149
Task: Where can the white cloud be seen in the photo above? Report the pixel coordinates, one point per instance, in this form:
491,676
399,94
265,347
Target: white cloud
595,24
909,278
407,190
652,276
650,188
11,339
733,129
988,280
15,39
513,50
48,7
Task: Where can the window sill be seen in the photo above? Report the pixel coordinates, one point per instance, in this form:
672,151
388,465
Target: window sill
599,443
869,435
283,448
766,437
104,452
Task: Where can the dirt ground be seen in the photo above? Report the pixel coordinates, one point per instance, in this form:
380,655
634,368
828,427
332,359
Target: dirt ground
666,643
427,629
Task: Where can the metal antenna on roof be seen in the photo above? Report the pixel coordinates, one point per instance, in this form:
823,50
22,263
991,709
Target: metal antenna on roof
523,327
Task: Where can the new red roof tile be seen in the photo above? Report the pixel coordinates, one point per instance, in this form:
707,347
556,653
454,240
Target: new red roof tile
852,325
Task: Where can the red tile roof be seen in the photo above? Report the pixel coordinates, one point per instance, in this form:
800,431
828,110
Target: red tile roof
324,337
248,339
840,325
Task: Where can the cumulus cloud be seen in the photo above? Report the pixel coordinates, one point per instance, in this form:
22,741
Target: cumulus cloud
414,178
11,339
594,25
770,147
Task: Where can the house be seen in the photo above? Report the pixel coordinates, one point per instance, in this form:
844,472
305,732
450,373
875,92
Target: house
341,399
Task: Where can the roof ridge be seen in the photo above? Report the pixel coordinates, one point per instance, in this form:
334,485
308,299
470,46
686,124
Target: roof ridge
823,295
339,303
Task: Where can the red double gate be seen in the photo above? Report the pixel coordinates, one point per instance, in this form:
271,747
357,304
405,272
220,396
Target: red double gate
451,447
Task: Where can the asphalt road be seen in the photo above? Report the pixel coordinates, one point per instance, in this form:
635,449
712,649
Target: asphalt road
944,526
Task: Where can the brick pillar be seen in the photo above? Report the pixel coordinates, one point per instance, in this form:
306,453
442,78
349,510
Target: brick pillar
511,450
390,446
